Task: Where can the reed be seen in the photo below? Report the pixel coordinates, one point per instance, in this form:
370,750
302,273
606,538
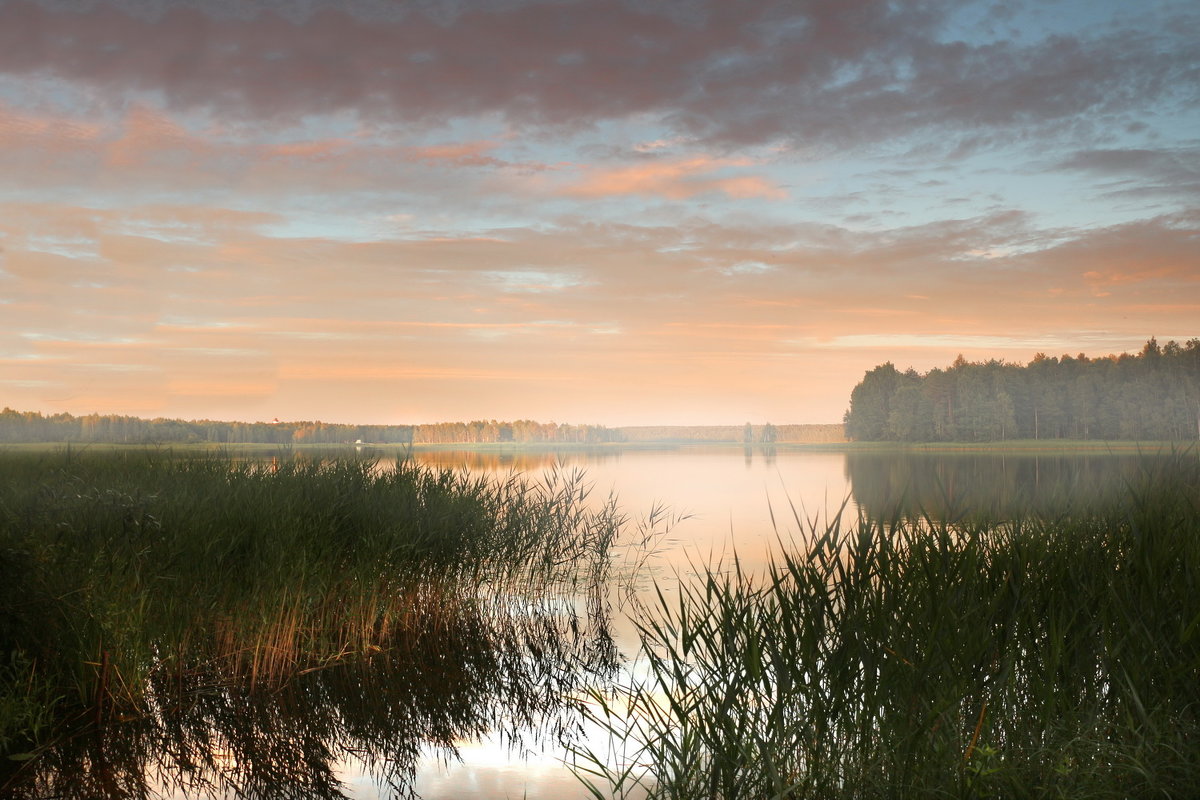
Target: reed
120,571
466,673
1038,656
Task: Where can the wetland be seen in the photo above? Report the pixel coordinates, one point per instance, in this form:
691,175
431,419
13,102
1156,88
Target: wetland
670,622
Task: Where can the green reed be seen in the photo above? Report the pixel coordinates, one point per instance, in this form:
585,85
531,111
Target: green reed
1038,656
458,676
120,570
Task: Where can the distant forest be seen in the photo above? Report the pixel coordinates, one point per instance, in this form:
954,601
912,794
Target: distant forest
16,426
1154,394
30,426
746,434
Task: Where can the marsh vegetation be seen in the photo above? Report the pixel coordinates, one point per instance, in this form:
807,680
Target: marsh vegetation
971,626
211,624
1046,654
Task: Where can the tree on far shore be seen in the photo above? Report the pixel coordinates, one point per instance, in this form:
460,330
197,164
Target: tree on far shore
1152,395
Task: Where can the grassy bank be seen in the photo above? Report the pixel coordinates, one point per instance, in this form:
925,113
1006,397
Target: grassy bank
123,571
1020,447
1044,657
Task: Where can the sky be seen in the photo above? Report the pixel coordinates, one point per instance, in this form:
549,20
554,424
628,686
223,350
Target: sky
584,211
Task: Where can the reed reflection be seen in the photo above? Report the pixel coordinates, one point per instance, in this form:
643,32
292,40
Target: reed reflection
204,627
457,674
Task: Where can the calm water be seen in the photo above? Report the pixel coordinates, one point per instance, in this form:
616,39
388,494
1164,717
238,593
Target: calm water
752,502
715,501
498,698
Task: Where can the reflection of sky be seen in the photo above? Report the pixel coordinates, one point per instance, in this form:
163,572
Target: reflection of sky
728,494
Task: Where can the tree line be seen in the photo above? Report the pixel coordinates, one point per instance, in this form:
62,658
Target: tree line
746,434
1153,395
32,426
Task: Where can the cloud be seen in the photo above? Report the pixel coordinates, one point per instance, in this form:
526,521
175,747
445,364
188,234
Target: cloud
674,179
147,266
460,154
609,310
753,72
1157,258
1141,171
147,154
604,199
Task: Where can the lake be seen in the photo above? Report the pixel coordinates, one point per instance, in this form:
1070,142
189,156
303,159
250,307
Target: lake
751,502
479,695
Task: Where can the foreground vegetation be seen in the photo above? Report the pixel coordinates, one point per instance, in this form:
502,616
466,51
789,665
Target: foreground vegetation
1043,656
147,598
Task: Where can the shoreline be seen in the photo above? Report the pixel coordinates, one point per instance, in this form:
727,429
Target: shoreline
1010,447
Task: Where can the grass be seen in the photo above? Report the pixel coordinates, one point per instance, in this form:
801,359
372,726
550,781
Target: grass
1043,656
1018,446
124,573
463,673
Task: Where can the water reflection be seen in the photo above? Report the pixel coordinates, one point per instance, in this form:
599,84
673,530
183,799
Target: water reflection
502,670
504,667
767,453
990,485
525,461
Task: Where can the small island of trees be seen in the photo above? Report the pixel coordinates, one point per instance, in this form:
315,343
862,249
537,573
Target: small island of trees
1151,395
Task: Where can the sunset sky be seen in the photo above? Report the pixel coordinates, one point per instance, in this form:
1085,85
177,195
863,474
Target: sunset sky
376,211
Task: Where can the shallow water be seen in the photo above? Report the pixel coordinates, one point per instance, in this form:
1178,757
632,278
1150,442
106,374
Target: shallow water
748,503
497,703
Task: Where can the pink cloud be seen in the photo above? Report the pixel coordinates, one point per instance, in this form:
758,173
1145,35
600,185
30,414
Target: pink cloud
464,154
146,132
19,129
675,180
151,148
310,150
649,310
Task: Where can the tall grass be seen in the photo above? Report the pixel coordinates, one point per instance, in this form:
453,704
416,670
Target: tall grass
466,673
901,658
121,572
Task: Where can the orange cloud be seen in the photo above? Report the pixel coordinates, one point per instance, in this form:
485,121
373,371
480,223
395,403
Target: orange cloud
139,309
1115,278
675,180
211,386
18,130
146,131
319,149
462,154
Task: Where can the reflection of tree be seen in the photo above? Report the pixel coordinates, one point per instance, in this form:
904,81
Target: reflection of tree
769,452
460,674
521,461
945,485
